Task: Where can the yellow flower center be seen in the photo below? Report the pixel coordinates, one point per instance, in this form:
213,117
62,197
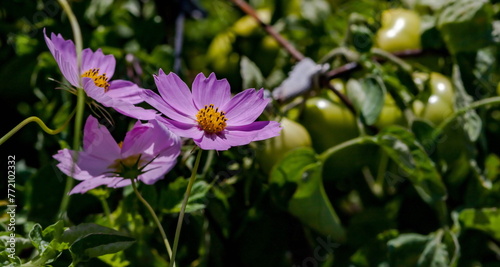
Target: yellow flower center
99,80
211,120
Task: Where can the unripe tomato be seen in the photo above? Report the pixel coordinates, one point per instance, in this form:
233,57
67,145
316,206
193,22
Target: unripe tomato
400,30
442,87
436,110
293,135
329,122
390,114
439,105
247,25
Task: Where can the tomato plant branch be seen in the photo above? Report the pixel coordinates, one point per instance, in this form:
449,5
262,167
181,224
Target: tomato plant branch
356,141
458,113
341,96
245,7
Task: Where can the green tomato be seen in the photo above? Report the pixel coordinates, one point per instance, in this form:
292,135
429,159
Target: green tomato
390,114
437,109
247,25
442,87
293,135
400,30
329,122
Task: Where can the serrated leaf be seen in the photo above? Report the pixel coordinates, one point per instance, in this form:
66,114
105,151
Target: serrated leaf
94,245
434,254
470,121
9,261
486,220
367,96
250,74
309,202
172,198
405,249
413,162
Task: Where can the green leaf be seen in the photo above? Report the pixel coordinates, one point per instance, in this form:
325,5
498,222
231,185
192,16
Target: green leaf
486,220
98,244
466,25
470,121
367,96
9,260
171,199
434,254
309,202
418,250
413,162
251,75
315,10
405,249
74,233
47,242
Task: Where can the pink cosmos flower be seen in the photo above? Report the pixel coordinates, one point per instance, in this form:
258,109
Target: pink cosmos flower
96,72
208,114
148,151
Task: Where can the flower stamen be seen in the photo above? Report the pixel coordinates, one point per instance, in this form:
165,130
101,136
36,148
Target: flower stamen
99,80
211,120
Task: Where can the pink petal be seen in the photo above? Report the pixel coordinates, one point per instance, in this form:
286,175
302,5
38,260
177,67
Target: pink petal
261,130
97,140
245,107
158,103
125,91
124,107
156,170
67,165
175,93
182,129
213,142
93,183
97,60
138,140
209,90
64,53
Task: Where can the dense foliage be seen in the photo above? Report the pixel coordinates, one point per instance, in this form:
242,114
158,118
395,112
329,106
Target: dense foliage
388,154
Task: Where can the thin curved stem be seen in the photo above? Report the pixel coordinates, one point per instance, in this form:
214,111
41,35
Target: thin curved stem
155,218
340,51
393,58
106,209
473,105
356,141
184,203
40,123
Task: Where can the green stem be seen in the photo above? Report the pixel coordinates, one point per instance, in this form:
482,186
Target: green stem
350,55
473,105
40,123
394,59
155,218
80,103
183,207
106,209
356,141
